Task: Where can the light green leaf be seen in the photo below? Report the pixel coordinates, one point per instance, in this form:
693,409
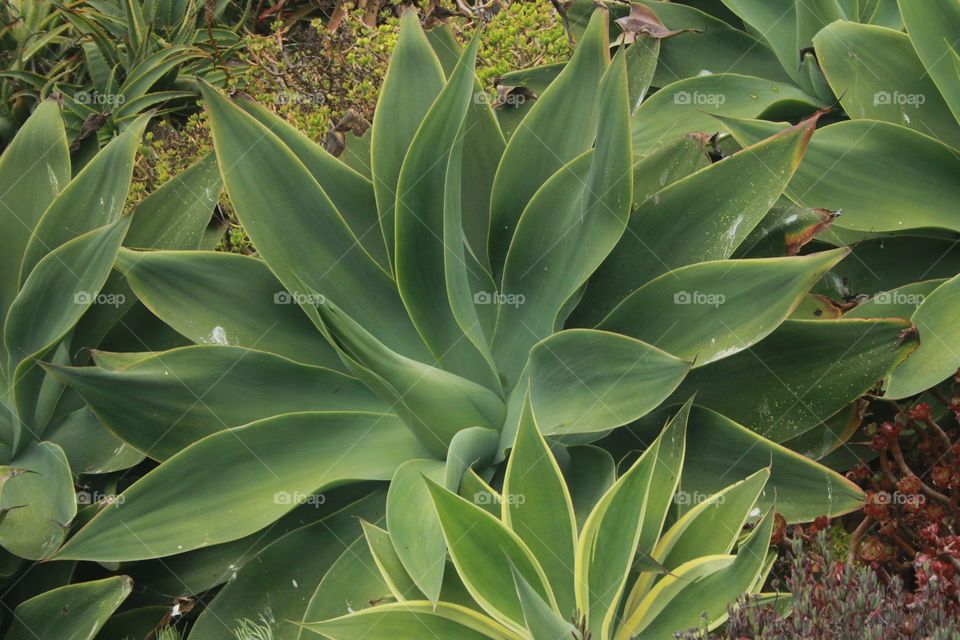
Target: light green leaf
883,176
388,563
542,622
569,226
938,357
584,381
414,79
37,501
537,506
485,554
241,480
704,216
411,620
90,447
560,126
161,403
589,474
351,584
899,302
801,374
243,303
711,310
414,526
76,611
933,27
877,75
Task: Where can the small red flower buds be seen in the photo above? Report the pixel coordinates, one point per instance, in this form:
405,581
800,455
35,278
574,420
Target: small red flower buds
941,476
920,412
872,550
890,430
909,485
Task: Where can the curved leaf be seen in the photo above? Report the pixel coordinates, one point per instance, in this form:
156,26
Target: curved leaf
76,611
410,621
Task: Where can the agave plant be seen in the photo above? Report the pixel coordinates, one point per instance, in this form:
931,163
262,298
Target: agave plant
593,267
531,567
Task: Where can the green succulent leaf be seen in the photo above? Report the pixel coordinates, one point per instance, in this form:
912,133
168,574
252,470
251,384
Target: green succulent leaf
884,177
537,506
589,474
485,553
388,562
414,79
270,461
877,75
414,526
542,622
936,358
560,126
801,374
711,310
161,403
680,225
933,27
411,620
265,316
37,501
75,611
584,381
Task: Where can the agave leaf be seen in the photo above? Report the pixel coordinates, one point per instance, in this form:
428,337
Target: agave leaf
679,226
414,79
685,106
351,193
710,582
33,169
883,176
422,261
384,554
352,583
713,46
710,527
411,620
566,231
279,581
434,403
162,403
92,200
265,317
298,230
485,553
878,76
711,310
76,611
664,481
801,374
474,447
775,22
785,230
898,302
272,460
667,164
542,622
608,543
584,381
932,27
546,524
589,474
414,526
476,490
936,358
89,446
36,500
560,126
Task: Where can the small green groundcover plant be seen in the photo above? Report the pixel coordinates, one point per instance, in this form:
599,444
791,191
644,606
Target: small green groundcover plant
470,287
